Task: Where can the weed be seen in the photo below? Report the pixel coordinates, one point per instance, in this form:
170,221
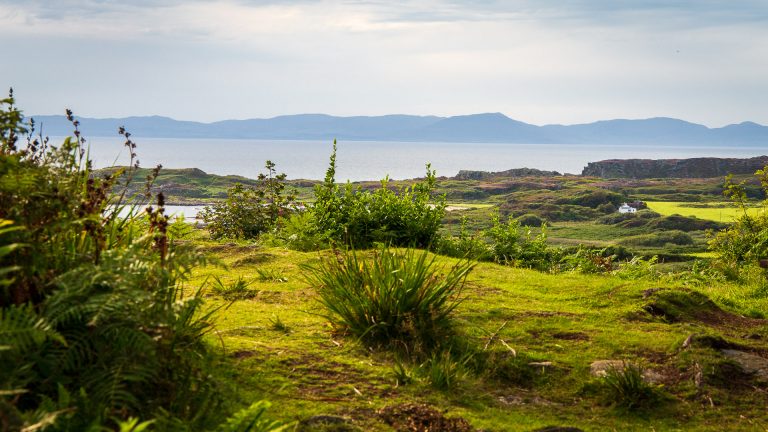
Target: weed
271,275
395,299
237,290
278,324
444,372
625,387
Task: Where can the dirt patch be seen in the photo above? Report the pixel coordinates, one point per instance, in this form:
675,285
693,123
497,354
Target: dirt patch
258,258
574,336
320,379
243,354
230,248
683,305
422,418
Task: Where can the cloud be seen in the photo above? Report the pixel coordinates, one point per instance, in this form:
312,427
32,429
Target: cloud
540,61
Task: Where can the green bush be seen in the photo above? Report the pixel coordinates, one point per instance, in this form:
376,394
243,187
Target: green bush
463,245
360,218
395,299
96,331
746,241
250,211
514,245
530,219
659,239
588,260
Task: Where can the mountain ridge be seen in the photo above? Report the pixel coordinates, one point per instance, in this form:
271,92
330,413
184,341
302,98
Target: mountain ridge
483,127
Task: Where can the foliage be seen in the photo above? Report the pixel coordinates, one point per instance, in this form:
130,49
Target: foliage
444,372
638,268
625,387
659,239
299,232
96,330
252,419
250,211
410,216
515,245
236,290
463,245
588,261
746,240
395,299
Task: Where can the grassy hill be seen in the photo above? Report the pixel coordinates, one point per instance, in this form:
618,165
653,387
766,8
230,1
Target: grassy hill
545,330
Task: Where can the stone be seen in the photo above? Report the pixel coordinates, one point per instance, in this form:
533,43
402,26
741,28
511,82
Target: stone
749,363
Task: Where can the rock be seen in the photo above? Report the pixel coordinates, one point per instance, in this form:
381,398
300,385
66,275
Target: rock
749,363
673,168
600,368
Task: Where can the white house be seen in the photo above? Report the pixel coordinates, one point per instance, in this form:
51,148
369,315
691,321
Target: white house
626,208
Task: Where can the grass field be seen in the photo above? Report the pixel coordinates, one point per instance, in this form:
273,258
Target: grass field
720,212
284,351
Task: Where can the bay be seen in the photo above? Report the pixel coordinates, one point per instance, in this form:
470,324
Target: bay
372,160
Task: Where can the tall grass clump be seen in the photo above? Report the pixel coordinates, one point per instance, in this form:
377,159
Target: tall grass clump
394,299
626,388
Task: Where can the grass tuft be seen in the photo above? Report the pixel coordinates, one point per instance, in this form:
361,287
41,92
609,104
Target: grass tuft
395,299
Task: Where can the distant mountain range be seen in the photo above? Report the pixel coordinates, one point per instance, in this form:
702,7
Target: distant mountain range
488,128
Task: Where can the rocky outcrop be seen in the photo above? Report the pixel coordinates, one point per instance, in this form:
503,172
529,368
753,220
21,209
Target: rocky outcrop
515,172
673,168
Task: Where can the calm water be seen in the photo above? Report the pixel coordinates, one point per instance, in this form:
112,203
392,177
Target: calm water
370,160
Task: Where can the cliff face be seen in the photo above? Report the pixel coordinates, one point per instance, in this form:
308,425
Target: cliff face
673,168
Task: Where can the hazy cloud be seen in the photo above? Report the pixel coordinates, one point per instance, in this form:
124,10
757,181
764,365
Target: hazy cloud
539,61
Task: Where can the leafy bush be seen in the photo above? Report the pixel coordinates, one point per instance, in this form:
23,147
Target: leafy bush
395,299
593,198
745,241
514,245
96,330
659,239
353,216
250,211
530,219
638,268
588,261
463,245
299,232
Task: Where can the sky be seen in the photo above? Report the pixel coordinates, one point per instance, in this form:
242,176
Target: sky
538,61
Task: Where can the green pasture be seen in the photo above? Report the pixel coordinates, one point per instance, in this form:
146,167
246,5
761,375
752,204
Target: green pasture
719,212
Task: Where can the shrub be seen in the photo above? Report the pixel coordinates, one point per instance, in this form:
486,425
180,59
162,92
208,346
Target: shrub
359,218
300,232
250,211
588,261
395,299
746,240
514,245
530,219
96,330
659,239
463,245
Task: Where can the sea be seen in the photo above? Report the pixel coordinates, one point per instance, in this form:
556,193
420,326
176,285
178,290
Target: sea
373,160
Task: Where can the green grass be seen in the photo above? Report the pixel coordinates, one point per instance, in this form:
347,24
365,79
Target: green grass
568,320
719,212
